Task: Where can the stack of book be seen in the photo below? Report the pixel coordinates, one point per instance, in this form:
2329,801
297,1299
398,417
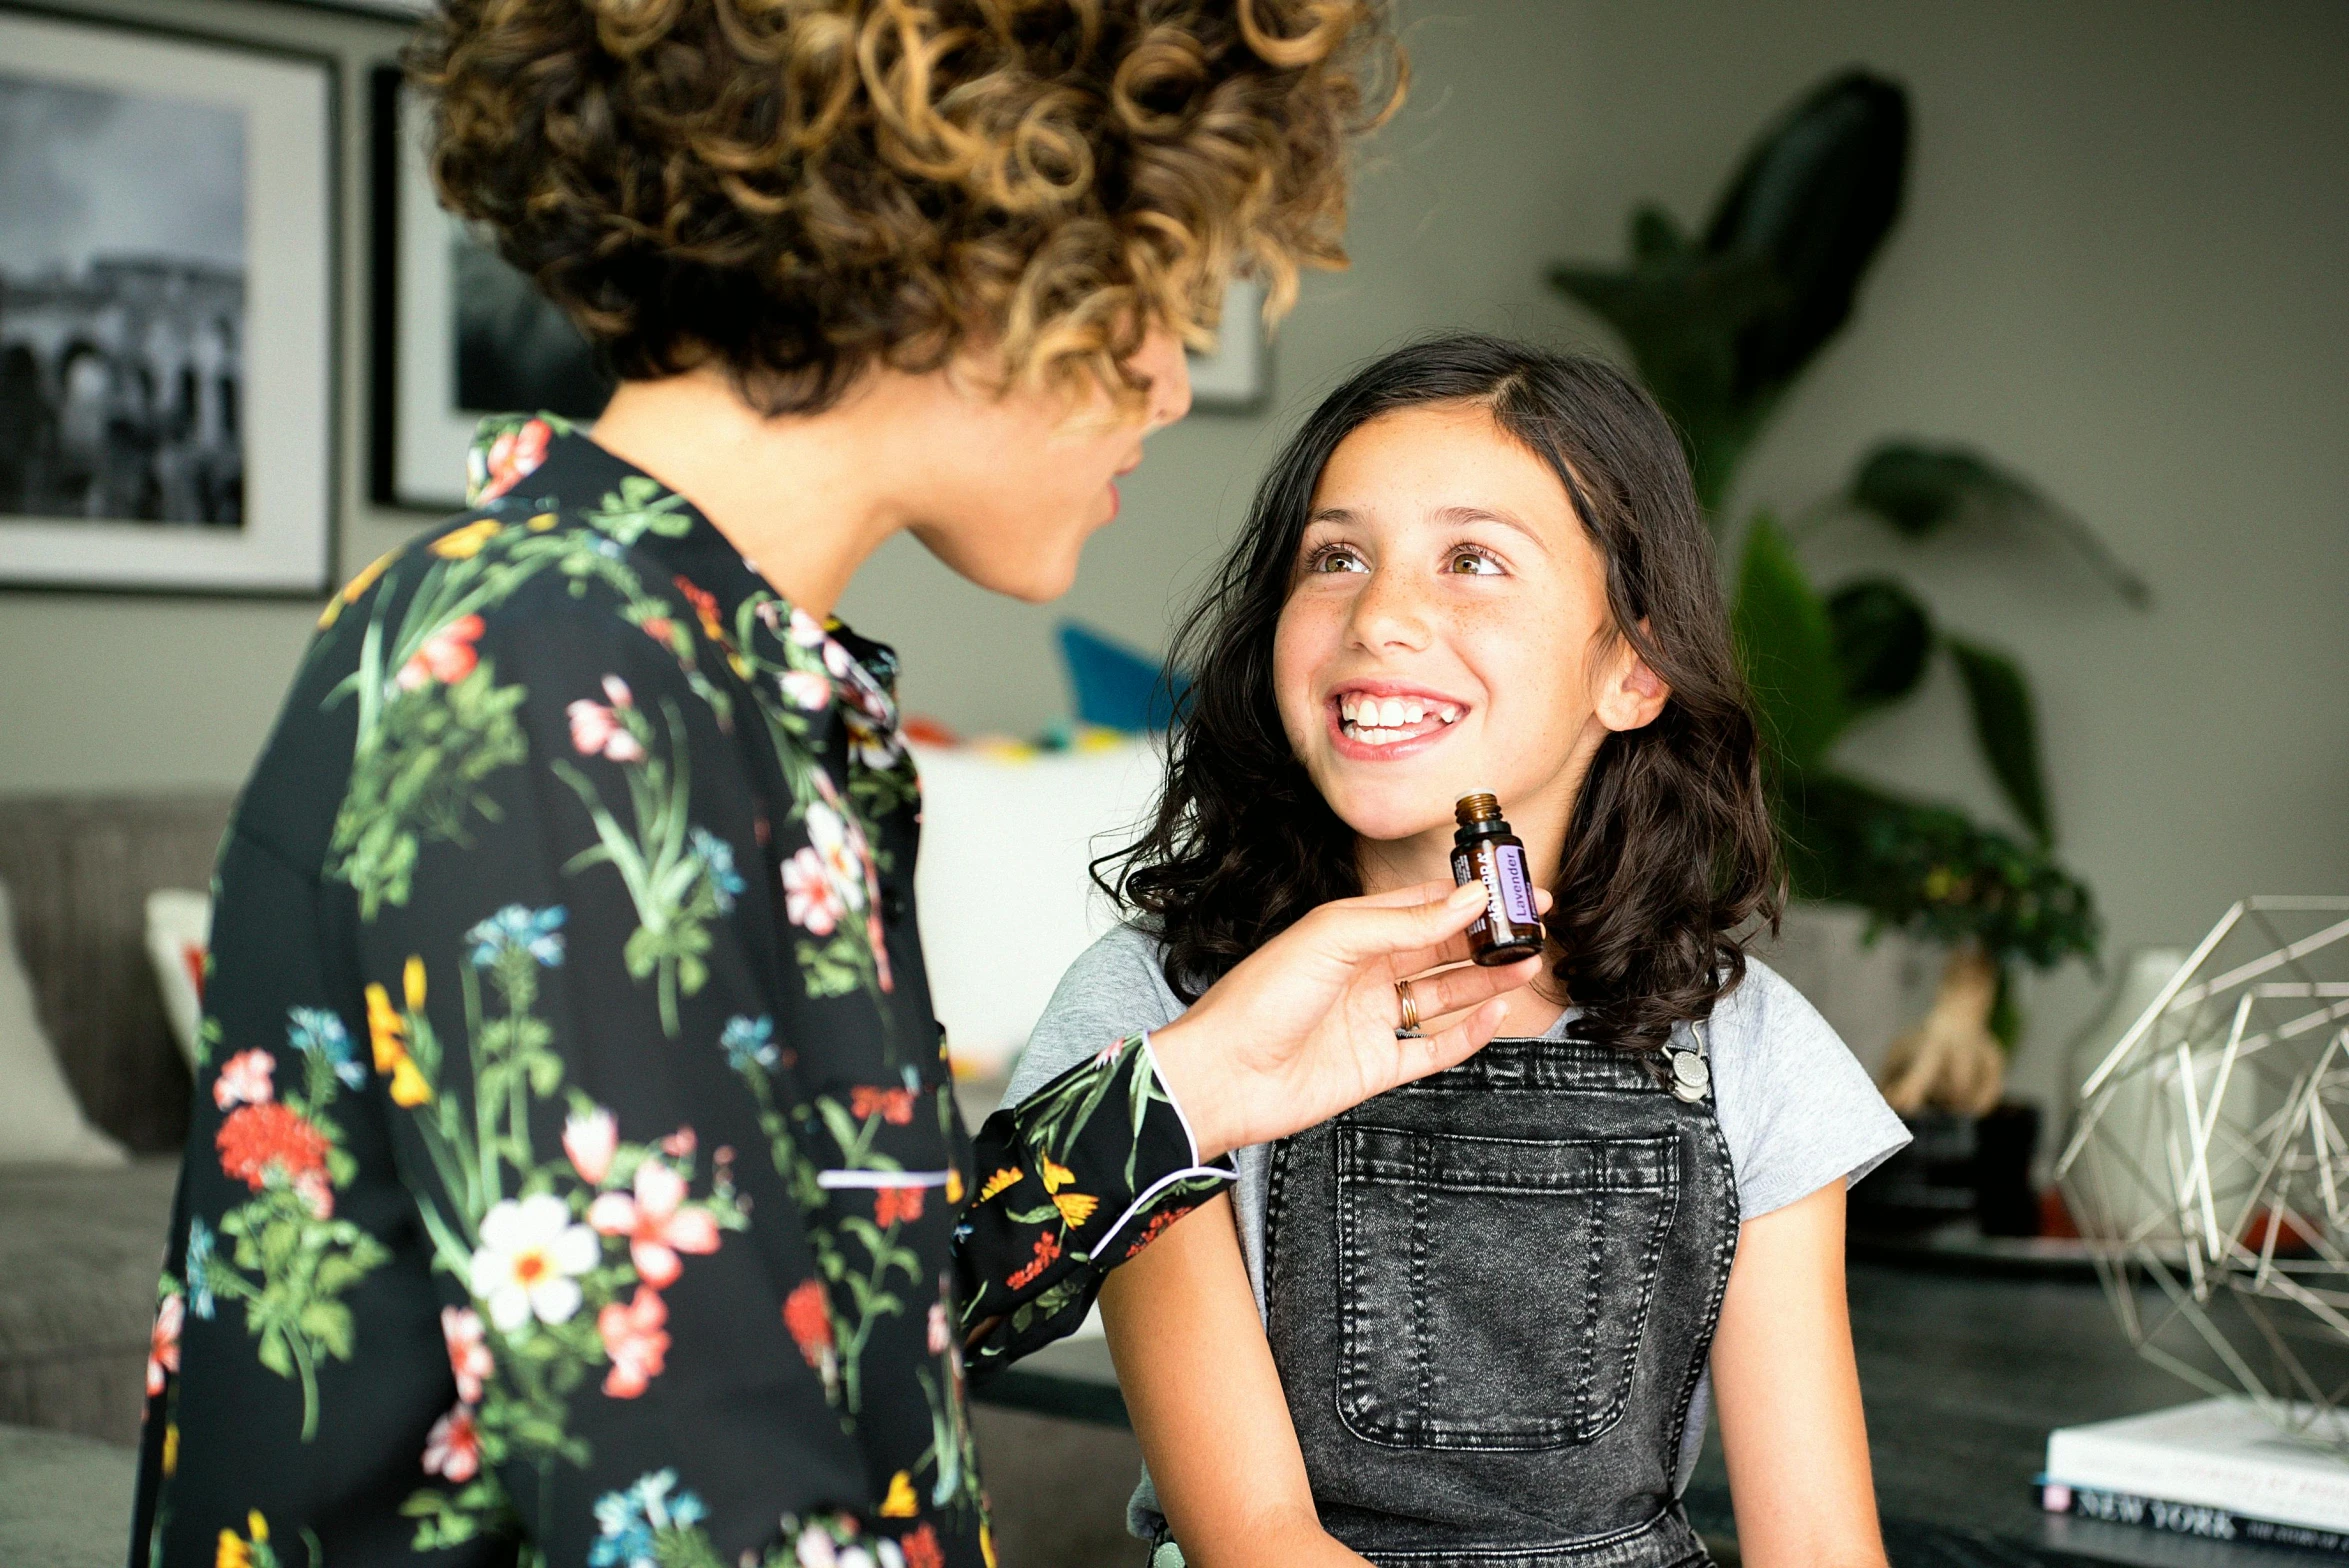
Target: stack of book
2216,1469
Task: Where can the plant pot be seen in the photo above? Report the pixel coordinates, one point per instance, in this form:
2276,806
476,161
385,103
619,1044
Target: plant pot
1957,1167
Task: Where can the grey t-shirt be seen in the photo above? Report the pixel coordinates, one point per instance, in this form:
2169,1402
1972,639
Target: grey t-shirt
1795,1107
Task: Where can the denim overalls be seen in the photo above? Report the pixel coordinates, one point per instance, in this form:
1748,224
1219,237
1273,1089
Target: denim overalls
1491,1295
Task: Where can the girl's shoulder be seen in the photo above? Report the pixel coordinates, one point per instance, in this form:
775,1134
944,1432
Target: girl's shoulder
1797,1108
1115,988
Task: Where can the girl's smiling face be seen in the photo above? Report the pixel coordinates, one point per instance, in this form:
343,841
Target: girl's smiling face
1447,630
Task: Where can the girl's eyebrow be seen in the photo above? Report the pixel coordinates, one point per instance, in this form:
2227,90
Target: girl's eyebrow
1455,516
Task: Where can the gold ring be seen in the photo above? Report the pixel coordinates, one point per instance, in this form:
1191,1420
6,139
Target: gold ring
1410,1007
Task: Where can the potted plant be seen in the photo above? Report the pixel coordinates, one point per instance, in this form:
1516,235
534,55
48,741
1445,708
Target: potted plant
1722,324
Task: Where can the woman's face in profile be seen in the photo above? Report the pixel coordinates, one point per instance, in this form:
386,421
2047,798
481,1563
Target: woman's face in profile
1023,479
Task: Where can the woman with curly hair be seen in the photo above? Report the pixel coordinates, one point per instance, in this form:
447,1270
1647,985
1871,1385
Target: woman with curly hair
575,1176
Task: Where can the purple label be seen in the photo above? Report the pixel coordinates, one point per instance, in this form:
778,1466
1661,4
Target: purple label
1513,895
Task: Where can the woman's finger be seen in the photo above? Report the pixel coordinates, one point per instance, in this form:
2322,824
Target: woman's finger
1451,990
1449,1047
1402,897
1358,931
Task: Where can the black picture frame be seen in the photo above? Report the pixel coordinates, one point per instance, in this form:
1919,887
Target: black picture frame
455,333
173,422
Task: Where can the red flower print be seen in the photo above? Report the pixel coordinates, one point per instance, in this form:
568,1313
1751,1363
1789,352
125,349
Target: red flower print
809,1319
448,655
1047,1250
680,1143
513,455
244,1080
258,1138
705,608
635,1340
655,1223
892,1205
921,1549
1155,1229
163,1342
469,1357
894,1106
453,1447
658,628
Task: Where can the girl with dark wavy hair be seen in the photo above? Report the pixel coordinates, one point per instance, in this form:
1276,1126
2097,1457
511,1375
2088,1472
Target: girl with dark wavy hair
1490,1299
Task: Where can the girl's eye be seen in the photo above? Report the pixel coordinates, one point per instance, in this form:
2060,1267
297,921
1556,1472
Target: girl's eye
1335,558
1471,562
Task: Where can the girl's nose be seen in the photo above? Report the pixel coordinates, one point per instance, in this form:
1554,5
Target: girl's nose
1390,612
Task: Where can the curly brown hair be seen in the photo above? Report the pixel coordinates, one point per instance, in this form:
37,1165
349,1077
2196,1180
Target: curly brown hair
801,189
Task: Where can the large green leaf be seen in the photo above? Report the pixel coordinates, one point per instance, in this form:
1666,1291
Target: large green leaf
1883,636
1917,491
2007,729
1787,647
1681,312
1816,195
1930,871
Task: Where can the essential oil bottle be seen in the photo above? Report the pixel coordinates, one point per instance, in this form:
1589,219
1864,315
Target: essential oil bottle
1484,850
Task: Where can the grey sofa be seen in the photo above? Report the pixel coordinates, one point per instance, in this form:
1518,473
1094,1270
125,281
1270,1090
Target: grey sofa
80,1249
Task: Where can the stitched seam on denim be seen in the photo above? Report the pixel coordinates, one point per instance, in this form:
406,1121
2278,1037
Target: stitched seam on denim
1505,1554
1654,1163
1666,1211
1594,1261
1724,1254
1423,1410
1342,1155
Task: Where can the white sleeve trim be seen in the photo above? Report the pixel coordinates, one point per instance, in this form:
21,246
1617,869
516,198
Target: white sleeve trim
1142,1199
1159,1079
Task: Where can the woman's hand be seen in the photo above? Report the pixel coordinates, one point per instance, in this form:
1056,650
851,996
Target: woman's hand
1304,1027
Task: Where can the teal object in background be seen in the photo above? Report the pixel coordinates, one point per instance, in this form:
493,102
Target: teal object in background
1118,687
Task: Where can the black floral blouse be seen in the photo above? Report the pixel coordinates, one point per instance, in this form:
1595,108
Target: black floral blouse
575,1175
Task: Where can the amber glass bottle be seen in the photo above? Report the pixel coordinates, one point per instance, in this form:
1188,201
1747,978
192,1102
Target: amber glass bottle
1484,850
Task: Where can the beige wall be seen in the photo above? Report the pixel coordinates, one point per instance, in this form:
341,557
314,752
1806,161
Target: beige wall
2120,270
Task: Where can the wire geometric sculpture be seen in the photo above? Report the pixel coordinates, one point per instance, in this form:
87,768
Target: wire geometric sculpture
2209,1171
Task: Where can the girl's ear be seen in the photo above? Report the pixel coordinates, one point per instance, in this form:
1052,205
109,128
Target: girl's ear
1630,694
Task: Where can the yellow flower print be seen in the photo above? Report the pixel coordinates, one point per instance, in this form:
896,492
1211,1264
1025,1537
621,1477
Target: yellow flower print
1075,1207
542,522
237,1552
356,586
466,542
386,1030
1009,1176
408,1088
171,1448
1057,1176
900,1503
986,1544
412,982
954,1188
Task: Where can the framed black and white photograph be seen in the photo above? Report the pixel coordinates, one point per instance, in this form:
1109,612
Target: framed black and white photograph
458,332
166,311
1237,377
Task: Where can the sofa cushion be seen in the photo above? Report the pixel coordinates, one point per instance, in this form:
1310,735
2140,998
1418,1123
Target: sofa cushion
80,1251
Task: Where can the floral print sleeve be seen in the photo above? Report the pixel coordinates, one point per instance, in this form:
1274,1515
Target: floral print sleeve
575,1172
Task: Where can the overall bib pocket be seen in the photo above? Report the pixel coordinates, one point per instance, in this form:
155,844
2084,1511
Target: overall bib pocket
1547,1252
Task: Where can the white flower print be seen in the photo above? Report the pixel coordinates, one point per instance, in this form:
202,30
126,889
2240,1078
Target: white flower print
530,1251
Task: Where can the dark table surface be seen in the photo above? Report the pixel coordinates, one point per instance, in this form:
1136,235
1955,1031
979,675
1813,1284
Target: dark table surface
1963,1378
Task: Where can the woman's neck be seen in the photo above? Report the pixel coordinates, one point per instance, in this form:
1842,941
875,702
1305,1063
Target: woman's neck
805,497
